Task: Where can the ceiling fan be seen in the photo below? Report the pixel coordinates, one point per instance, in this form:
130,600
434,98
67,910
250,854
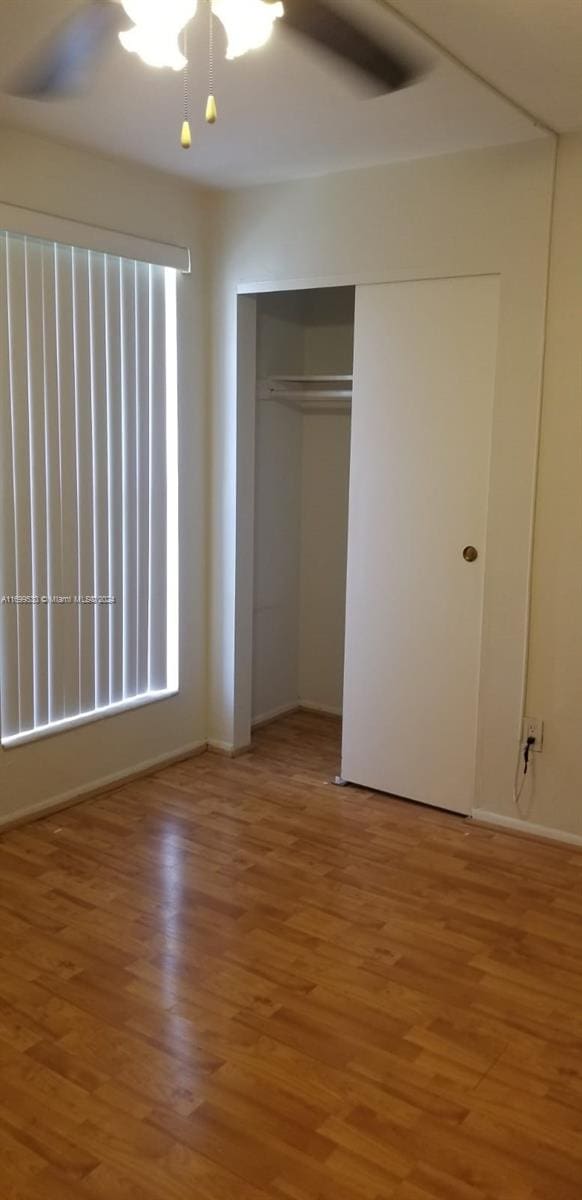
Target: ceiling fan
159,31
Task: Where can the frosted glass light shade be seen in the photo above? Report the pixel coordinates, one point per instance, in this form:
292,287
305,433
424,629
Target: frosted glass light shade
248,23
157,27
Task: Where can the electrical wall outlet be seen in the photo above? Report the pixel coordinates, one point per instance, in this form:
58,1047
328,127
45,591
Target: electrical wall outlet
534,727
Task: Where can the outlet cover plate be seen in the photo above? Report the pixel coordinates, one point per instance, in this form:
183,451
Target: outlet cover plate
534,727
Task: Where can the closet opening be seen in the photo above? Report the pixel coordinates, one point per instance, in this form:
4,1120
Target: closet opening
304,374
418,459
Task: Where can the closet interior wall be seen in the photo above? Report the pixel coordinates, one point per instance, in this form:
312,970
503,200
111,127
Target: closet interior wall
301,505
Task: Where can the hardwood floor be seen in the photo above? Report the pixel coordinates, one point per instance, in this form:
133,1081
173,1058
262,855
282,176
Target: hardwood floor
232,981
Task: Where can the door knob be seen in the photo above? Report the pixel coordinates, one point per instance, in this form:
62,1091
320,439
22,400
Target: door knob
470,553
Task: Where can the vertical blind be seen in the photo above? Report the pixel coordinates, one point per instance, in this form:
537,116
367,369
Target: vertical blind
88,521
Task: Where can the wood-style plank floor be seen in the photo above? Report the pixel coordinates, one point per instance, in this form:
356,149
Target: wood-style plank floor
232,981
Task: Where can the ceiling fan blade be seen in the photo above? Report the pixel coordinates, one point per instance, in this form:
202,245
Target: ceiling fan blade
321,23
63,63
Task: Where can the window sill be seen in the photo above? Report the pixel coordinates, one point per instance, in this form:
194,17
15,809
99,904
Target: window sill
86,718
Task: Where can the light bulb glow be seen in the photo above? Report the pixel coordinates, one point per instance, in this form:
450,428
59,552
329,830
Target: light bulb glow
159,23
157,27
248,23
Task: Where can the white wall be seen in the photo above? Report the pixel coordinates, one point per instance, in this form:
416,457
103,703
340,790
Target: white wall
280,334
328,323
555,672
301,486
277,559
328,349
277,508
484,212
38,173
324,548
301,525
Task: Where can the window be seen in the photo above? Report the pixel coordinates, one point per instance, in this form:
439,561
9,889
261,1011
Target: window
89,507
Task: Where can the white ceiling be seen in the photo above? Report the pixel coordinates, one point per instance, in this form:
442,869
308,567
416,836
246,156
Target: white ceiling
286,111
531,49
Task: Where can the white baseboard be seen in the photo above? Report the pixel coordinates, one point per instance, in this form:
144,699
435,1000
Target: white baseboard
312,706
518,825
97,787
283,711
220,747
227,749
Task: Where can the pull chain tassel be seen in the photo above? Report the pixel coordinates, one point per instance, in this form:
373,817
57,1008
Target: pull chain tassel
211,112
186,132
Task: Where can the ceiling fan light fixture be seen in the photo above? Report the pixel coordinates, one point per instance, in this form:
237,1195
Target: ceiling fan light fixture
156,30
248,23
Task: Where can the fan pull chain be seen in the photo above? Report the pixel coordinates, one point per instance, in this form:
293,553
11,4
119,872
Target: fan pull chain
211,110
186,132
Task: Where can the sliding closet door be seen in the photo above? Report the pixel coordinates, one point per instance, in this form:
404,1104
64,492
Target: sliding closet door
424,373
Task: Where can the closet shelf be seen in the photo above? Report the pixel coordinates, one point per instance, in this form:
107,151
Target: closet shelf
310,379
309,393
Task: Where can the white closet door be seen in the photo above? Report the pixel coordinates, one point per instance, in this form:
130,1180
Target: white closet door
424,374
